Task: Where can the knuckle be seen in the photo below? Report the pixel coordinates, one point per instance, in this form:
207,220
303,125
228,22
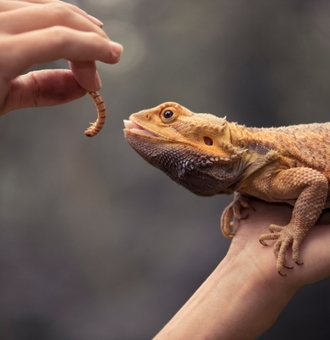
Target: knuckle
61,12
60,35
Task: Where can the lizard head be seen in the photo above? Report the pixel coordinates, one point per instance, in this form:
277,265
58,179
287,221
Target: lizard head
195,150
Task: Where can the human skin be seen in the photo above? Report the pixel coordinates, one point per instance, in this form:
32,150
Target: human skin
41,31
244,295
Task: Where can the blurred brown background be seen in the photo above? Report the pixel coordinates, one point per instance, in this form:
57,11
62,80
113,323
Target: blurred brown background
97,244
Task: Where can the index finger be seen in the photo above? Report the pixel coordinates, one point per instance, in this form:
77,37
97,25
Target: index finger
18,4
46,45
28,18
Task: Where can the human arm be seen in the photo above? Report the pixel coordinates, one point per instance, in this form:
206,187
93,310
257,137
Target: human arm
243,297
41,31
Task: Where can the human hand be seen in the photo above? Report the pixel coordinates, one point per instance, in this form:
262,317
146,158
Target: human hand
41,31
314,250
244,295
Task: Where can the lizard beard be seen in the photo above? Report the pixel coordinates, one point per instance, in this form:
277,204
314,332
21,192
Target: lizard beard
202,175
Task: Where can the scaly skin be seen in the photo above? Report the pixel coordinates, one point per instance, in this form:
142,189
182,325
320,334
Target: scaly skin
208,155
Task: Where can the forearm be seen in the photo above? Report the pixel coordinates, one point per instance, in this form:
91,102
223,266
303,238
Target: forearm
233,303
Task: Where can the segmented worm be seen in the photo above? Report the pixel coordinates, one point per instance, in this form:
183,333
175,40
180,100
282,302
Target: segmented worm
95,128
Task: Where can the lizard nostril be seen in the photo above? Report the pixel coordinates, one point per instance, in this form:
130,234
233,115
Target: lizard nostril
208,140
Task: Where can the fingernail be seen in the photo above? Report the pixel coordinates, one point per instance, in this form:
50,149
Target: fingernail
98,80
116,49
96,21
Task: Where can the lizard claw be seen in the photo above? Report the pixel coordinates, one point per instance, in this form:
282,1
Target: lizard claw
262,241
287,267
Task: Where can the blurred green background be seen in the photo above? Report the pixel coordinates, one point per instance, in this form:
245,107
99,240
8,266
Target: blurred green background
97,244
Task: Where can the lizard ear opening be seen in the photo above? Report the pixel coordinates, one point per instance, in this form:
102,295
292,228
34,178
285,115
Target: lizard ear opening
208,140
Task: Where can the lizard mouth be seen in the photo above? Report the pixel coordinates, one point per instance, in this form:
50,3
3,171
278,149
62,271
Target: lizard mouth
137,129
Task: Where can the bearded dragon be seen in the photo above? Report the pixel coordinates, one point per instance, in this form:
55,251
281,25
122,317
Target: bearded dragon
209,155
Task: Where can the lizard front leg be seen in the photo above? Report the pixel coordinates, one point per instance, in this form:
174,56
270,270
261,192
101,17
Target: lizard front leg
233,210
310,188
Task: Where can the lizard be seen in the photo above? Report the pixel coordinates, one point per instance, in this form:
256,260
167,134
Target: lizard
209,155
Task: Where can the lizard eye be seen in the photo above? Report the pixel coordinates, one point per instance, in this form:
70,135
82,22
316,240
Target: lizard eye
168,114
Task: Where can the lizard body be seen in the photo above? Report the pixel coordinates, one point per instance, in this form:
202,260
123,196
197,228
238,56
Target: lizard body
209,155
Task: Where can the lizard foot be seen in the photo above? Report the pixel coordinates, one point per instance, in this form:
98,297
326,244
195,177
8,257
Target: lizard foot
233,210
285,237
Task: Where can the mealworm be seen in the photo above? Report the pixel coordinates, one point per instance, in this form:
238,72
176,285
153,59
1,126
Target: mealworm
95,128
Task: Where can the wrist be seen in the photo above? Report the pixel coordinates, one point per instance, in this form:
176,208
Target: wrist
258,294
236,301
